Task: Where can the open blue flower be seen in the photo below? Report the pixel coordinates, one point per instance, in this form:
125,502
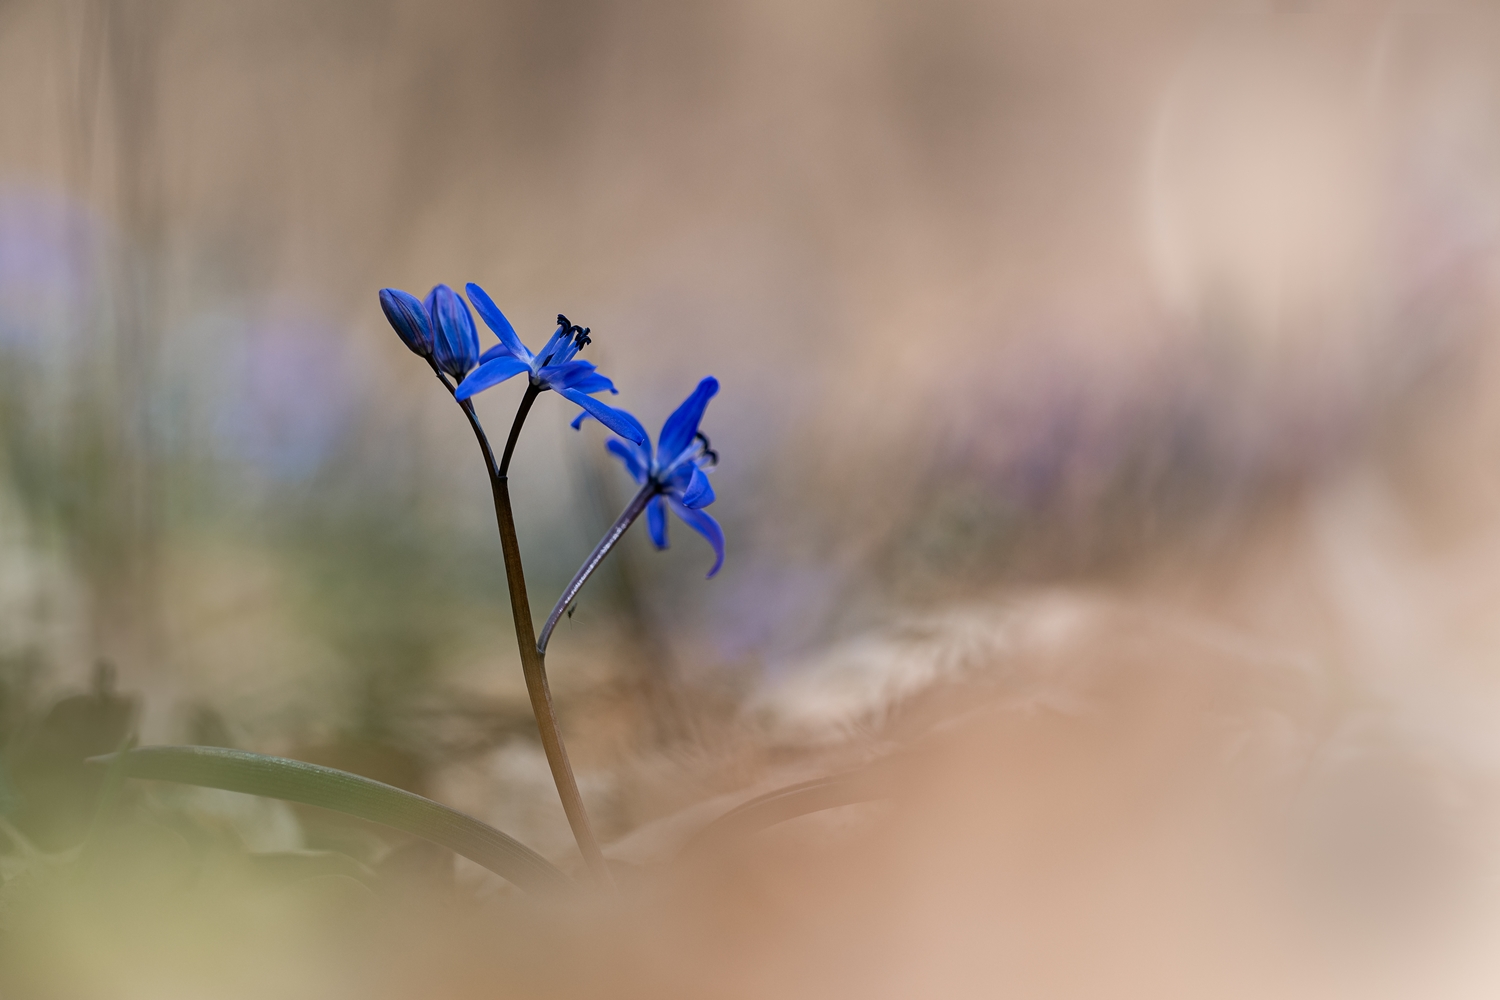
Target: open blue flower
554,367
439,327
676,471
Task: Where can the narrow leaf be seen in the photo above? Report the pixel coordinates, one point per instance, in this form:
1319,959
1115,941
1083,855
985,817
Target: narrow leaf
340,791
781,805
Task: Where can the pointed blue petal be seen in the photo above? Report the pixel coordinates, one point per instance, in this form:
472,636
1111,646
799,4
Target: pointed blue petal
490,373
565,351
578,420
544,356
631,455
566,375
656,521
409,317
699,492
682,426
701,522
496,321
618,421
594,382
496,351
456,344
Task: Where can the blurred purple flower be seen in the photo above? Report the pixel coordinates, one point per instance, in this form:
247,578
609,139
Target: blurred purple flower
48,248
676,471
554,367
290,397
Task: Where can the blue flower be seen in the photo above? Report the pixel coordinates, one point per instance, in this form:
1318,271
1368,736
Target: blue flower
554,367
440,328
676,471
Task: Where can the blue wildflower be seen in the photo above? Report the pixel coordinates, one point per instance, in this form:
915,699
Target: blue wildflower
676,471
440,327
554,367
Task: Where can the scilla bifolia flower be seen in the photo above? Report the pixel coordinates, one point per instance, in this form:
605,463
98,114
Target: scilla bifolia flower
441,330
672,477
675,472
554,367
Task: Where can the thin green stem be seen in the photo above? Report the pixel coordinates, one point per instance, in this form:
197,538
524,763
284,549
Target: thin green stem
614,534
534,669
515,429
467,405
533,664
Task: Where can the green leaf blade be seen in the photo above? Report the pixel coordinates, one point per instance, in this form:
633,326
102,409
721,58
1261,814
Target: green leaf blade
351,794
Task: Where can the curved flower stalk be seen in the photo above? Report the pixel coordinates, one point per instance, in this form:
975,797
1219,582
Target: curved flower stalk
670,477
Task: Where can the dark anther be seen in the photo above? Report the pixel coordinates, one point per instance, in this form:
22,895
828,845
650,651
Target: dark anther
708,451
580,334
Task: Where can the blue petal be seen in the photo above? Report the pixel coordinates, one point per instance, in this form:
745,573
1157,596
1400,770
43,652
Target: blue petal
409,317
490,373
578,420
699,492
594,382
631,455
656,521
497,351
456,345
496,321
566,375
618,421
682,426
580,375
701,522
544,356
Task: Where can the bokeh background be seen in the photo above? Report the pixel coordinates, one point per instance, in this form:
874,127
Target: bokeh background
1189,305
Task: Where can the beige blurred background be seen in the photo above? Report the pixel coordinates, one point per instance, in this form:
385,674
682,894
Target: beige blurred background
1185,308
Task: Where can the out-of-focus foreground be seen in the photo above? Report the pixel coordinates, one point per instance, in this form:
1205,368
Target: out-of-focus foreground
1111,472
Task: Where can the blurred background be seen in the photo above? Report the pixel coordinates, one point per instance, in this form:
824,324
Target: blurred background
1187,305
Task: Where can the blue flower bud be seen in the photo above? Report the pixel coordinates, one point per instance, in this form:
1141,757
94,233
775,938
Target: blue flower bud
456,344
410,319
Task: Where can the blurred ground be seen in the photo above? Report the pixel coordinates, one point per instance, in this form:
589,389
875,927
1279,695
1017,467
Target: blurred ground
1154,335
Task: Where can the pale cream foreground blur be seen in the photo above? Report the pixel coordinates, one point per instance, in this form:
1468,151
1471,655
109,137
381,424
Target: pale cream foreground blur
1070,795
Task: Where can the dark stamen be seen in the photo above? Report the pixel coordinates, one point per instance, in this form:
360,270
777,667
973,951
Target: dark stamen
579,334
708,451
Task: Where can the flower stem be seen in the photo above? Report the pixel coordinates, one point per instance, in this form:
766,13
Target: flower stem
614,534
533,665
534,669
515,429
